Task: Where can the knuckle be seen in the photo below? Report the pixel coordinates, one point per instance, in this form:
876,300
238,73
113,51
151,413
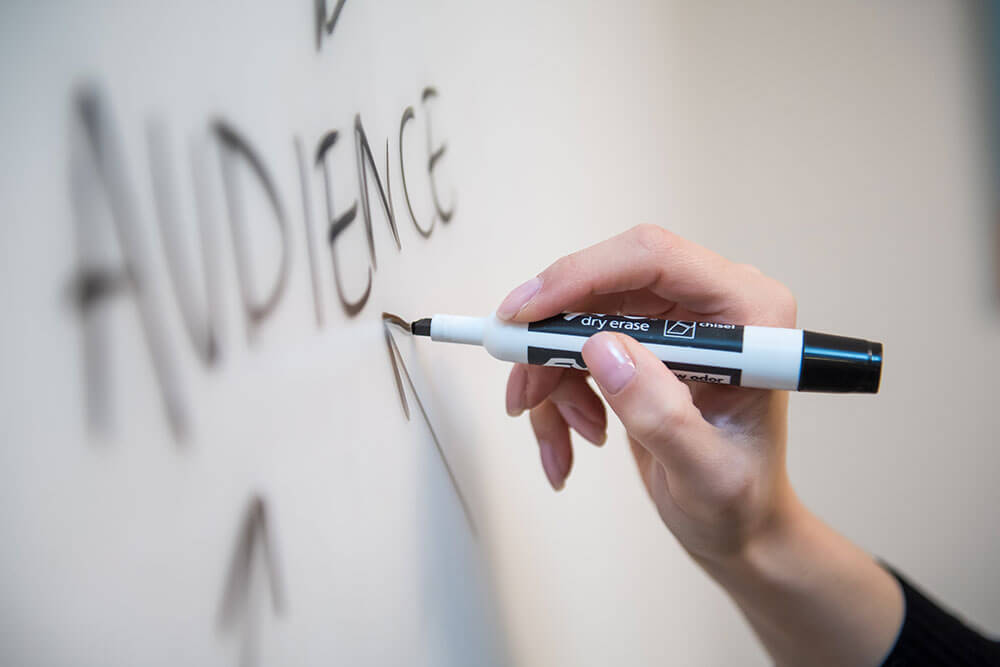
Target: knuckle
651,238
787,303
660,426
565,267
785,307
766,299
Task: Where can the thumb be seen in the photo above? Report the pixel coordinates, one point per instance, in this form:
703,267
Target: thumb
655,407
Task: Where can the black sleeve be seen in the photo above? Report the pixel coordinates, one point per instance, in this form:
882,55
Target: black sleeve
932,636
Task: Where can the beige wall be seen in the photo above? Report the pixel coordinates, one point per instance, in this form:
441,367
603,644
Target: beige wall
839,147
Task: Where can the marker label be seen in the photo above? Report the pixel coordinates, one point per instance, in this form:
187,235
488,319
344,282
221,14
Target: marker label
543,356
705,335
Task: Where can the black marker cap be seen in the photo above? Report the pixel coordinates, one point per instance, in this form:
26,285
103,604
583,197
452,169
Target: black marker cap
839,364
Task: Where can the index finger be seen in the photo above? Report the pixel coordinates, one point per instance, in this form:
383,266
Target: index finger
644,257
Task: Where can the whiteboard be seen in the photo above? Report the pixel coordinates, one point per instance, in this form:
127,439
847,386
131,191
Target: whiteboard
216,451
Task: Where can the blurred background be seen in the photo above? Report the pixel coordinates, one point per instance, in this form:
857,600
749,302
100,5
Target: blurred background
214,451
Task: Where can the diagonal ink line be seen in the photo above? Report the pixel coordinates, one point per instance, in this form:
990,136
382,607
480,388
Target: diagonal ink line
272,566
254,529
310,234
324,24
235,590
394,354
390,344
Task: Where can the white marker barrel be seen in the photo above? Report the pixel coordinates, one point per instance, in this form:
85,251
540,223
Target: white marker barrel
732,354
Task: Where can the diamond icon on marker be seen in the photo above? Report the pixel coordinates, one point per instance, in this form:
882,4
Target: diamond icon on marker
679,329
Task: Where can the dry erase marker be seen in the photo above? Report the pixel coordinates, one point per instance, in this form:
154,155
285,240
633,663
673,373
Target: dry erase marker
747,356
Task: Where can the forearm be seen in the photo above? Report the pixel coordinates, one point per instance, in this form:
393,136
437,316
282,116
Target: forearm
812,596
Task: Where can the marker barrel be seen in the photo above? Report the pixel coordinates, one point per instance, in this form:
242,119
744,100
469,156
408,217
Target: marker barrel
732,354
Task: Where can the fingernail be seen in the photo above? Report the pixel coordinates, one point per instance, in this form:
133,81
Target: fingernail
609,363
519,298
582,424
550,464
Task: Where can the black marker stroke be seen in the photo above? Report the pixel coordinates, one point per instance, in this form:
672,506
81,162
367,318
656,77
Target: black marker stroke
389,318
339,224
254,536
398,365
407,117
435,156
234,146
97,167
323,23
365,161
197,317
310,240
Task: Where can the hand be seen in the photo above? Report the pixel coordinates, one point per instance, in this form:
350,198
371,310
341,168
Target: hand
711,457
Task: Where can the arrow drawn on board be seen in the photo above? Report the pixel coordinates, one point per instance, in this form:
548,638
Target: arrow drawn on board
397,365
254,543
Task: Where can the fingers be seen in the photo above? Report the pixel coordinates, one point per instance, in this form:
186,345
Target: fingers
643,257
655,407
515,390
554,446
540,382
576,401
636,302
644,261
527,386
581,408
558,399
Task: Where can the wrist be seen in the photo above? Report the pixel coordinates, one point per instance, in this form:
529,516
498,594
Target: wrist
809,593
765,551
